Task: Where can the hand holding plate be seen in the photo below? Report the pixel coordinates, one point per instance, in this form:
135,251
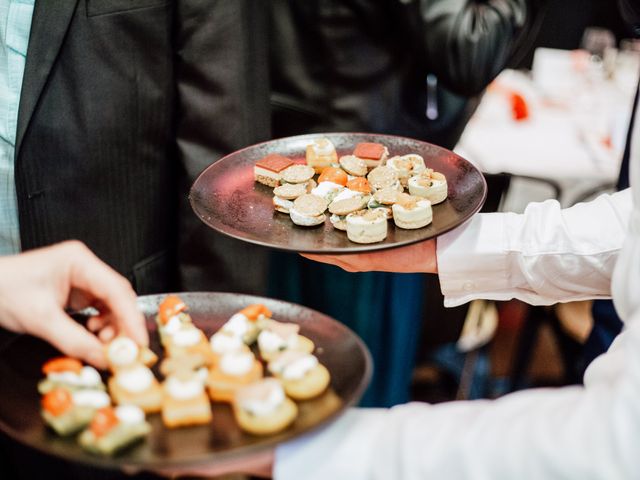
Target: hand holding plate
416,258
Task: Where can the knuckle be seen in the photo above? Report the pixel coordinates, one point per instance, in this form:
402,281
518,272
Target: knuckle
124,285
75,246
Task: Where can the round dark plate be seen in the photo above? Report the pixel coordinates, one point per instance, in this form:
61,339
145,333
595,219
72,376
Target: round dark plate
226,197
337,347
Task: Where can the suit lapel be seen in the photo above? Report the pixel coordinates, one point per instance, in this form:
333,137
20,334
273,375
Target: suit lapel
48,28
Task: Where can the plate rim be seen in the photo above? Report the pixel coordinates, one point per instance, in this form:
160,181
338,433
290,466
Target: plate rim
356,248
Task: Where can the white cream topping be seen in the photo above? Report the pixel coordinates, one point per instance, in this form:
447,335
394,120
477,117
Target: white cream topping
345,194
323,147
91,398
123,351
324,189
263,398
88,377
129,414
224,342
299,368
237,363
184,389
238,325
292,365
270,342
201,374
187,337
137,379
173,325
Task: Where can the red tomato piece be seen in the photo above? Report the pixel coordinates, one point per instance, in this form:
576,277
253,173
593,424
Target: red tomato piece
103,421
274,162
62,364
57,401
170,306
252,312
519,107
359,184
335,175
372,151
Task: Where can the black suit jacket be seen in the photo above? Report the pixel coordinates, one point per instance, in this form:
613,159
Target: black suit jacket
123,103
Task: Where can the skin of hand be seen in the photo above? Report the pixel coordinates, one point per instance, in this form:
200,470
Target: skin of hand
258,465
37,286
416,258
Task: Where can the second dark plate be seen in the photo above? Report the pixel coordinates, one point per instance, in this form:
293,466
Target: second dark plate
337,347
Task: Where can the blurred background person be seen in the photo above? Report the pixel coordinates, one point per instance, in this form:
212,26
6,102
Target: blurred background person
412,68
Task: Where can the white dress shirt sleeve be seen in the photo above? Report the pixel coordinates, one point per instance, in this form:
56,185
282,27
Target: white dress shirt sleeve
577,432
543,256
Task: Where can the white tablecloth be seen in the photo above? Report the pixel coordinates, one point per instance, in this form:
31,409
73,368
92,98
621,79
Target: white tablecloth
574,133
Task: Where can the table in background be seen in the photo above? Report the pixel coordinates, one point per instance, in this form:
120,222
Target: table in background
573,131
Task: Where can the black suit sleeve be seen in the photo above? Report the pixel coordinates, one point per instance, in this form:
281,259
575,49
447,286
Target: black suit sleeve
220,70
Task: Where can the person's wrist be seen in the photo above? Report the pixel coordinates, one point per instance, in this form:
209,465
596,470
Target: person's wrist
422,259
435,256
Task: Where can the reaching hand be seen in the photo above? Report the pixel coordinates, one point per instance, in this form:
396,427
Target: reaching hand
416,258
37,286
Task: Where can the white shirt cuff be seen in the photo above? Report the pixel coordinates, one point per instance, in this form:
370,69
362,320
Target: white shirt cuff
472,260
340,451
